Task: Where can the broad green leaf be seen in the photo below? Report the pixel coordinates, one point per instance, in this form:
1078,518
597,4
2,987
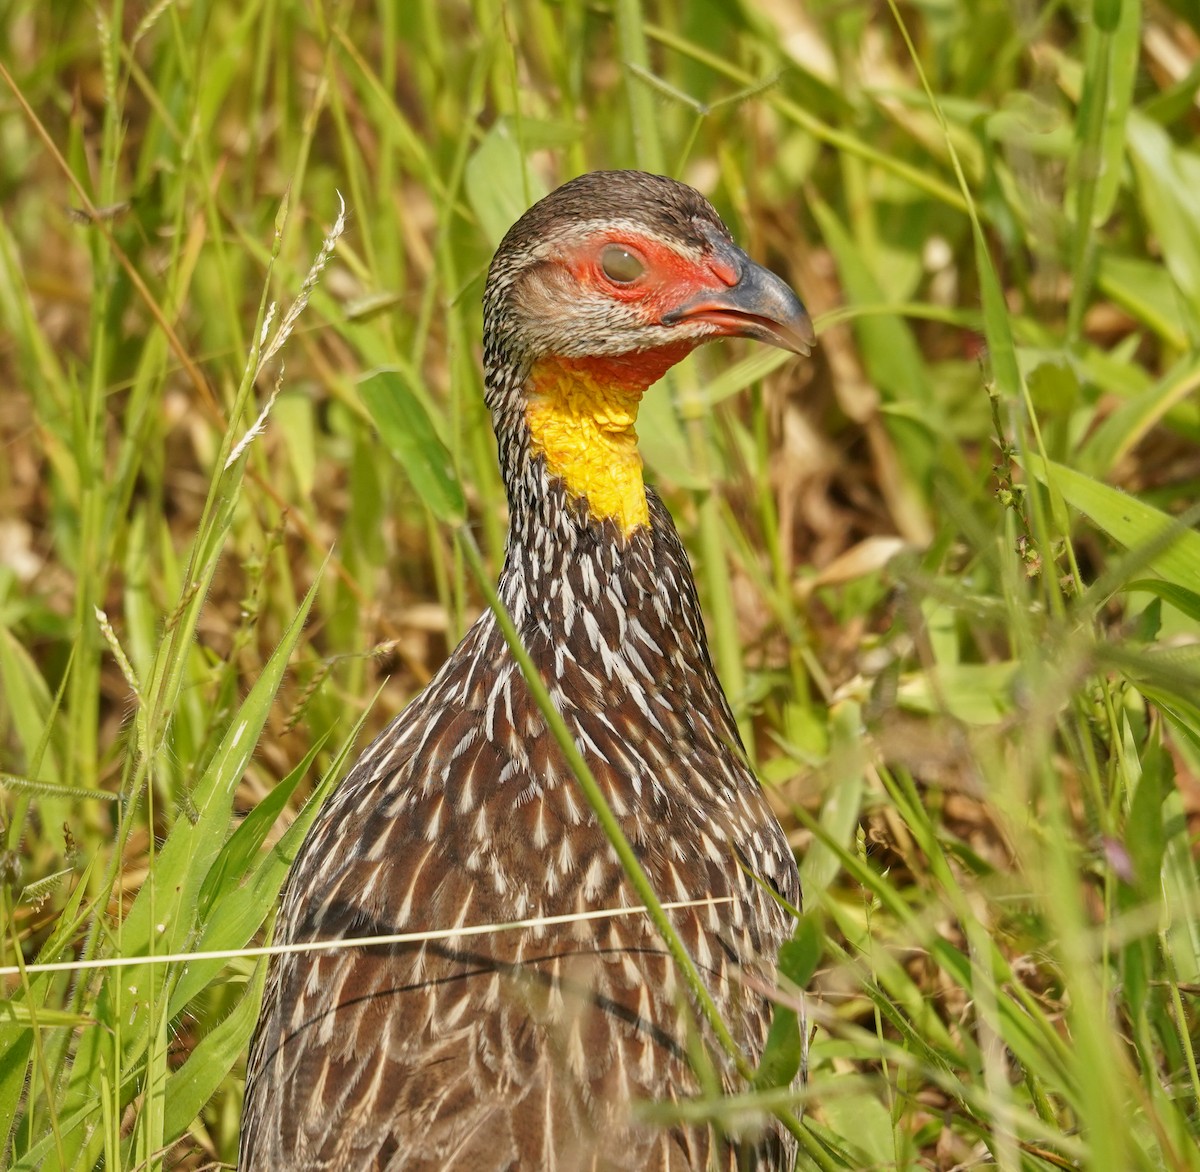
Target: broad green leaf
404,425
865,1121
1168,177
888,348
836,1150
195,1082
1138,286
499,181
239,852
1144,833
1128,425
798,959
784,1052
1187,601
1053,388
977,693
1182,713
1126,520
236,914
800,956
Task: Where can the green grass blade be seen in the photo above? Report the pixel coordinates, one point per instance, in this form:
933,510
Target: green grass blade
1127,520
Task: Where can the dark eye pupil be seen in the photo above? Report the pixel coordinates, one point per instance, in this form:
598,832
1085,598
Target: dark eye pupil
620,264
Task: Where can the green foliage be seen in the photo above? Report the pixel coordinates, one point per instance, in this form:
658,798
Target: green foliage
950,564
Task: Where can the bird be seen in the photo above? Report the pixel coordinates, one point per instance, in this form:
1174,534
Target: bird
539,1047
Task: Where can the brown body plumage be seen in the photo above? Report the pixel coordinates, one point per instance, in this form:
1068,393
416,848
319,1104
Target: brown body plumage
527,1049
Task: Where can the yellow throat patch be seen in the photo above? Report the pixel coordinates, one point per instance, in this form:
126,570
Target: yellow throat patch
581,420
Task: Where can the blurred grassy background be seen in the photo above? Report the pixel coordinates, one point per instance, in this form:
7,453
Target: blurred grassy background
950,563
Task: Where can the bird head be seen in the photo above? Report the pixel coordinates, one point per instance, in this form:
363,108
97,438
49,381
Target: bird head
593,295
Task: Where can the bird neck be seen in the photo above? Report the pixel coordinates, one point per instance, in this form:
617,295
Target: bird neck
581,414
582,577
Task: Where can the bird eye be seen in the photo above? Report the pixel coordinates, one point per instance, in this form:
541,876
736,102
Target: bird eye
621,265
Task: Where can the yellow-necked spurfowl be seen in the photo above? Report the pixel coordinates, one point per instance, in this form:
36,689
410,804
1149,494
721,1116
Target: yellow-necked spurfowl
528,1049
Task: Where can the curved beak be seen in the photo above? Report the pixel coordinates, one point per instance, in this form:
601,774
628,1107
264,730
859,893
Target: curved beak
758,305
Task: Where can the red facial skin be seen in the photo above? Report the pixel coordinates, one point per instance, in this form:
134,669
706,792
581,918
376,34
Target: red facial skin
632,372
669,280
